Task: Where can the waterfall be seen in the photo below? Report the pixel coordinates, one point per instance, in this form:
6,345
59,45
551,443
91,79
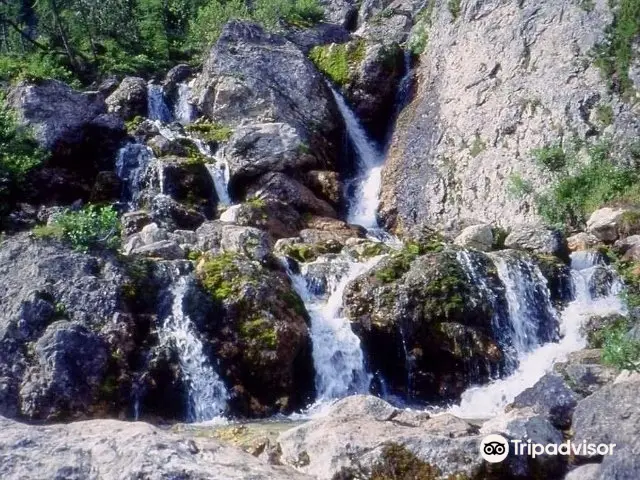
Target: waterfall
364,189
207,393
184,112
489,400
156,105
132,163
337,354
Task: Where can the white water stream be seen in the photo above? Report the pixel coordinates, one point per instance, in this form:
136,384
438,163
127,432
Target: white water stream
207,392
489,400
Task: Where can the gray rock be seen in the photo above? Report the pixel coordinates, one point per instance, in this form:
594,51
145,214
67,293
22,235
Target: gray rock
354,431
209,236
166,249
605,224
537,239
113,450
320,34
129,100
71,362
341,12
133,222
584,372
56,113
249,241
473,123
625,244
172,215
479,237
279,187
152,233
610,415
552,398
259,148
255,77
590,471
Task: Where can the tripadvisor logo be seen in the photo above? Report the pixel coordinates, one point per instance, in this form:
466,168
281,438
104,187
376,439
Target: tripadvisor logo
495,448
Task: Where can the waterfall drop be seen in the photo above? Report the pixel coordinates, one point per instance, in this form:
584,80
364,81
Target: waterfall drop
364,188
489,400
207,392
337,354
157,108
184,112
132,163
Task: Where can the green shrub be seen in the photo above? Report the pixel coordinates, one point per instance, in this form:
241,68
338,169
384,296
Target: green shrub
519,187
615,54
604,114
91,227
211,132
19,154
419,35
553,157
619,350
35,67
454,8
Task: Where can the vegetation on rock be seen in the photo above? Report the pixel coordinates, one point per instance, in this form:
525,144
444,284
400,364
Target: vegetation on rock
210,132
91,227
337,60
19,154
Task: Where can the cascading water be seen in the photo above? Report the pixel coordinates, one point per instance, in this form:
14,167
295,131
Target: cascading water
489,400
132,163
364,188
184,111
157,108
337,354
207,393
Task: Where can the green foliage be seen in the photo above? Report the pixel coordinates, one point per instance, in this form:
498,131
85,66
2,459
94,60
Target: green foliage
575,194
399,262
478,146
553,157
336,60
604,114
419,35
615,54
306,252
619,349
518,187
133,124
454,8
19,154
34,67
211,132
91,227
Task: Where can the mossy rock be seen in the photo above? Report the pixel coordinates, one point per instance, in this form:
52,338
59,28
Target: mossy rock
339,61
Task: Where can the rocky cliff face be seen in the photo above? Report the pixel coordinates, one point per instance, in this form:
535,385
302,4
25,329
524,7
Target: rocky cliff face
497,79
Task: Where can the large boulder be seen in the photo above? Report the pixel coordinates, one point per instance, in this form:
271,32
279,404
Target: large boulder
70,365
584,371
483,104
609,224
279,187
252,76
537,239
260,332
129,100
479,237
112,450
56,113
425,326
360,433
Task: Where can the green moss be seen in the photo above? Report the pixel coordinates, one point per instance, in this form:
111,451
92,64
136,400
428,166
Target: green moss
256,202
294,302
615,55
478,146
419,35
337,60
133,124
261,332
454,8
301,252
552,158
211,132
445,293
220,276
399,262
398,463
604,114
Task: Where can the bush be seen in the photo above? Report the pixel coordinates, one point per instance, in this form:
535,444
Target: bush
553,158
454,8
620,350
35,67
91,227
19,154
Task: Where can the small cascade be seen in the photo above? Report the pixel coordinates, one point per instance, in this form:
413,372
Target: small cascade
364,189
337,354
132,163
489,400
184,111
403,95
207,393
157,108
